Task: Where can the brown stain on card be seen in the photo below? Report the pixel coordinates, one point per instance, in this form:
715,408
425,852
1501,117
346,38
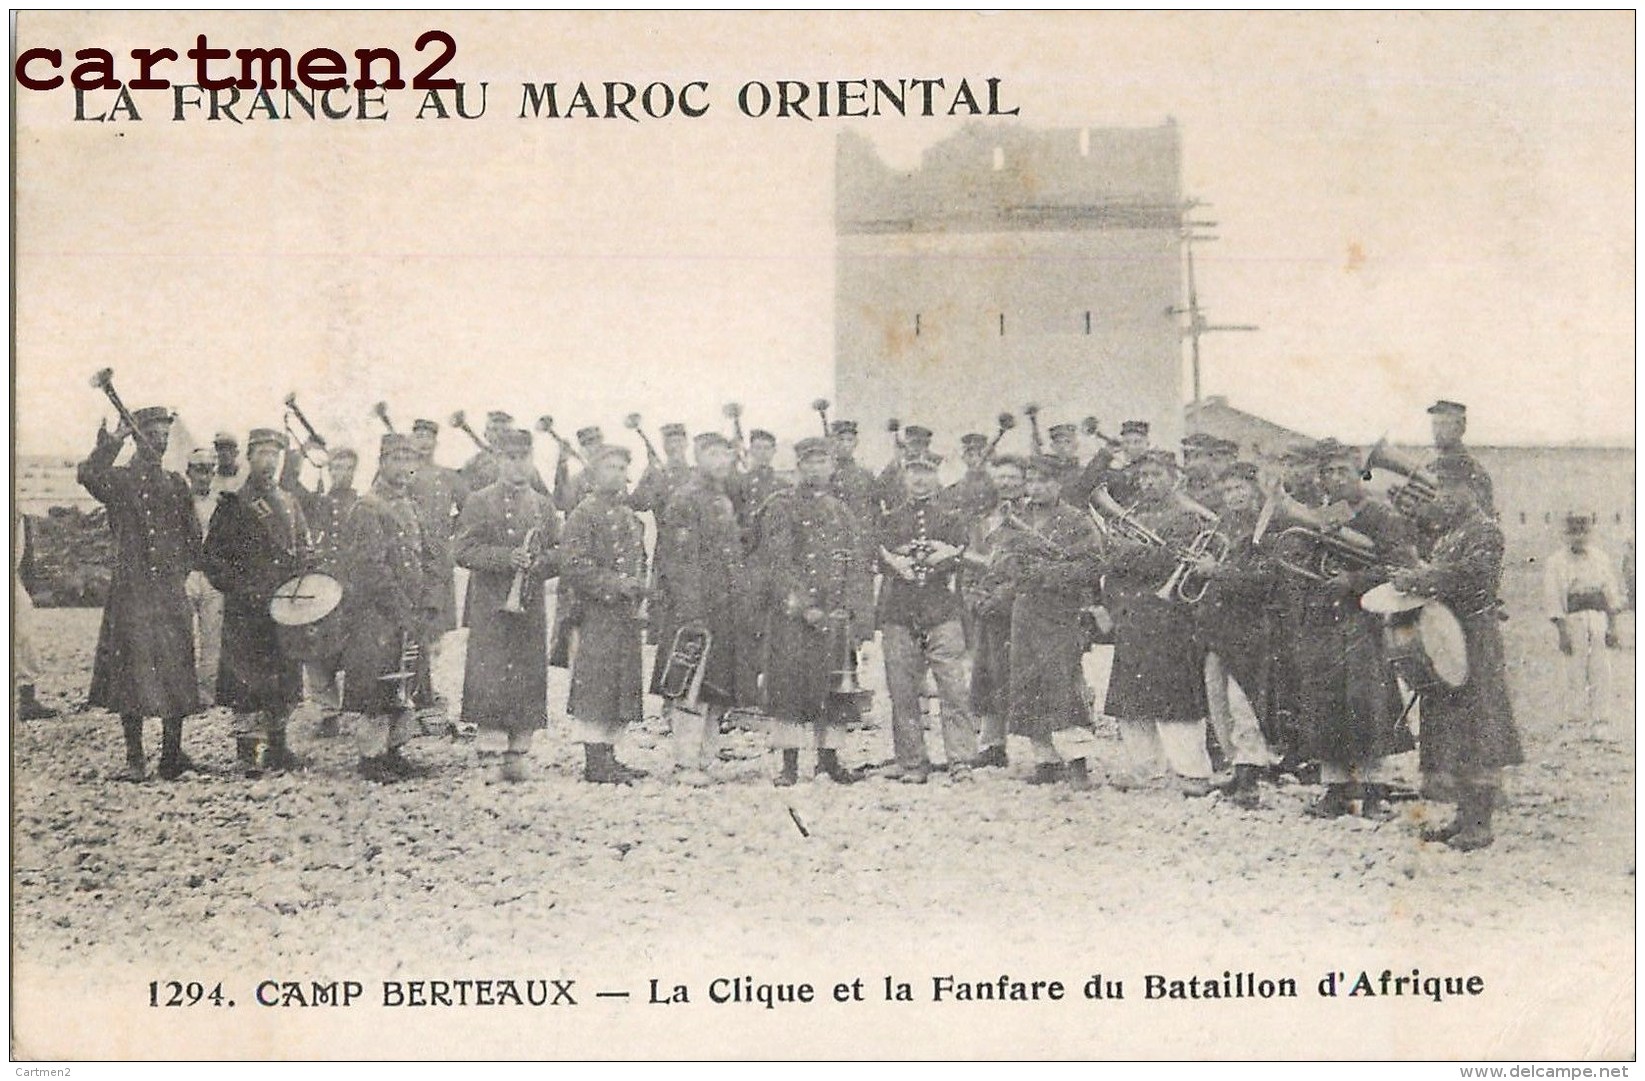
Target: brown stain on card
1356,256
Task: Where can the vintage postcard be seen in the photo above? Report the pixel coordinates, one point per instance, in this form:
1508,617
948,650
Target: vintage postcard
834,535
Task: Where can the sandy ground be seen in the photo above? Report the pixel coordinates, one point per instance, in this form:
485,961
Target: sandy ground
322,876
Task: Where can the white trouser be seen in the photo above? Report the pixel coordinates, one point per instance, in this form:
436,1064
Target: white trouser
1154,747
321,687
696,734
797,735
207,605
1064,745
377,734
596,731
1233,721
25,662
1588,668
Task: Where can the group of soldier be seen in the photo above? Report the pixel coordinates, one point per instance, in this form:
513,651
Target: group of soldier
760,590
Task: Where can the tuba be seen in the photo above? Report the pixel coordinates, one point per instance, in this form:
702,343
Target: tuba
632,423
1420,487
459,420
1331,549
682,678
103,380
545,424
380,410
821,406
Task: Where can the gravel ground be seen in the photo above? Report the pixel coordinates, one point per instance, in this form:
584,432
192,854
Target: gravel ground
321,875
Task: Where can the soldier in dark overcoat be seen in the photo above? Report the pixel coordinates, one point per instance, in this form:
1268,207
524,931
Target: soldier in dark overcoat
1468,732
507,538
1449,421
326,512
819,608
852,484
1348,697
988,589
702,585
1053,556
257,542
973,495
1234,628
750,489
144,664
385,617
439,493
663,476
1156,689
602,559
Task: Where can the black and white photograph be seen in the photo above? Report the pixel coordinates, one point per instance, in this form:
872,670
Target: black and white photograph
823,536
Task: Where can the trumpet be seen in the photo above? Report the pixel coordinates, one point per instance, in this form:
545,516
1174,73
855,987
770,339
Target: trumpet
1421,487
1033,413
545,424
1091,427
632,423
821,406
514,602
380,410
894,426
103,380
1006,422
459,420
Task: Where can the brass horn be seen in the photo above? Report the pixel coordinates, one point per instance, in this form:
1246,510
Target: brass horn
1006,422
1032,411
545,424
103,380
821,406
1420,485
1090,426
632,423
380,410
459,420
1332,549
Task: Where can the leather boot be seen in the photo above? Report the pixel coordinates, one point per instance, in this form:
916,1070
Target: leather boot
29,707
404,766
1476,827
1334,804
1373,801
280,756
828,764
600,765
1047,773
791,768
136,762
991,757
1244,792
173,762
1443,834
1077,775
248,755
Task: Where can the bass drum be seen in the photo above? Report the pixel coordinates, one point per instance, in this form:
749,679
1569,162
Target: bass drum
1427,648
307,618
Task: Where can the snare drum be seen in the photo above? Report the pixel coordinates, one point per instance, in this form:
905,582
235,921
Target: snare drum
1426,647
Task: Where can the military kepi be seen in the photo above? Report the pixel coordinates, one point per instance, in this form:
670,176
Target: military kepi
153,414
262,436
812,447
1453,408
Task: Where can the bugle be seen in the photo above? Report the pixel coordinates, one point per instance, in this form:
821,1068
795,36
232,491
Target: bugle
821,406
1006,422
459,420
735,413
1032,411
545,424
103,380
380,411
632,423
1090,426
894,426
314,440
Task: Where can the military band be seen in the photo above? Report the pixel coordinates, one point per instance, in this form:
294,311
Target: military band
1238,597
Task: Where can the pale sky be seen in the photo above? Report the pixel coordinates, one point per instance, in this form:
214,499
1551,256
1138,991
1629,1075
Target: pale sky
1410,206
